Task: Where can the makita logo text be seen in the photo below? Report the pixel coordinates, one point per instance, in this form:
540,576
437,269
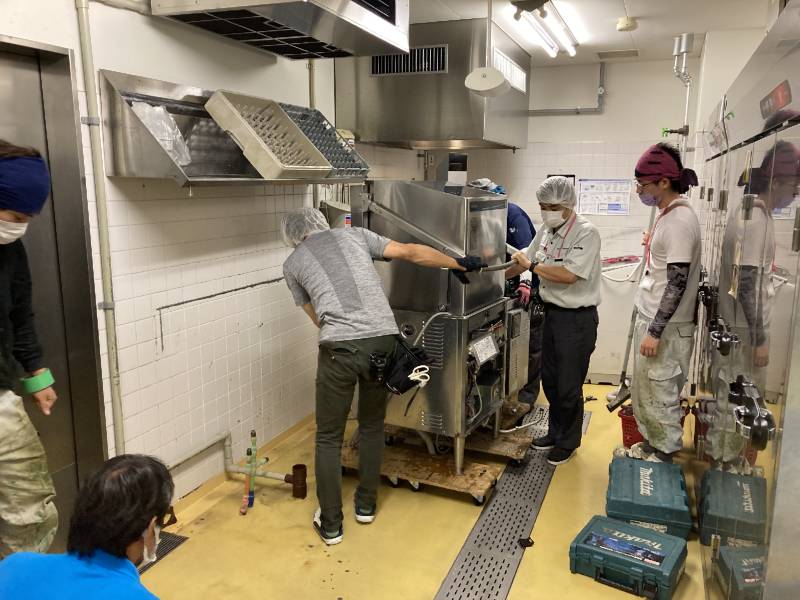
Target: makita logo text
747,498
632,538
646,487
752,562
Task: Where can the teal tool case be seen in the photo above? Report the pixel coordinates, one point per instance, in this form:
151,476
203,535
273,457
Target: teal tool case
740,572
635,559
649,494
734,507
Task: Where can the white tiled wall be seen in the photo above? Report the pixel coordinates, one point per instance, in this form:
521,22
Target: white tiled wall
206,346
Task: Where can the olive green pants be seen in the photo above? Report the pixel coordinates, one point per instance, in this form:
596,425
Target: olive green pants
28,517
340,366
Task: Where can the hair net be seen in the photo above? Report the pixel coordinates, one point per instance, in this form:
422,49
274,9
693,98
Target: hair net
299,224
557,190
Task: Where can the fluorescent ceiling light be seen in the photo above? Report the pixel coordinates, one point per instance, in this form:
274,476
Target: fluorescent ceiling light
557,29
544,39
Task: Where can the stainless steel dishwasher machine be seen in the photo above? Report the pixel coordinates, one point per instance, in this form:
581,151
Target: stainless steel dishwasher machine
463,327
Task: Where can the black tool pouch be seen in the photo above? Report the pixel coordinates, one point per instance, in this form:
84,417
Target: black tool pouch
406,359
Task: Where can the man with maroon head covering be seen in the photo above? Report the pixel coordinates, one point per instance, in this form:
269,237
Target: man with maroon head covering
665,302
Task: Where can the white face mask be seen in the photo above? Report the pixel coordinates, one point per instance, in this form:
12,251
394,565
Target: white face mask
553,218
149,556
11,232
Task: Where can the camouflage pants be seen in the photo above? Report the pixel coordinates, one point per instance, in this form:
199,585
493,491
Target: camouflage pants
28,517
658,383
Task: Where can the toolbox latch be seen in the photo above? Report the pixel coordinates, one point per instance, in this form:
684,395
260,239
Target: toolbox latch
649,590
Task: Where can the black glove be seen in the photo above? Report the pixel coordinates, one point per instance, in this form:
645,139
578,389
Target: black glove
460,276
472,263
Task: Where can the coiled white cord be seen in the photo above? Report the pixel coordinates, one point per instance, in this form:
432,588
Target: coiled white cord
420,375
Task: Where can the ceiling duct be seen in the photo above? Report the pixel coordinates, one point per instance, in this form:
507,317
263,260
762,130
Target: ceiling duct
419,100
299,29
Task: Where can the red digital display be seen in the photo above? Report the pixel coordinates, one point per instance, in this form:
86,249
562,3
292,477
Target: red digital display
777,99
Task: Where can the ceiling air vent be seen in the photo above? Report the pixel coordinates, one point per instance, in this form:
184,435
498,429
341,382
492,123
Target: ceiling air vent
428,59
262,33
617,54
383,8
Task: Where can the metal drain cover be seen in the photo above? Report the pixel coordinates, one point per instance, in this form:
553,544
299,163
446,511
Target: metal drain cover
540,415
168,542
487,564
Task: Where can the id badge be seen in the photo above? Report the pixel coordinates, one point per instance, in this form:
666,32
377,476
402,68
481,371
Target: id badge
647,282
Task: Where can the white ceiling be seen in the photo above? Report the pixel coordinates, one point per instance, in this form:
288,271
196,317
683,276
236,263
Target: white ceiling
594,23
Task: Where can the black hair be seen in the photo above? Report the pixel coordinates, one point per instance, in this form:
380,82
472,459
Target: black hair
117,504
674,184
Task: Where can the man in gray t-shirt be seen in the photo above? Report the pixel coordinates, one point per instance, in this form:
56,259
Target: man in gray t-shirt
331,276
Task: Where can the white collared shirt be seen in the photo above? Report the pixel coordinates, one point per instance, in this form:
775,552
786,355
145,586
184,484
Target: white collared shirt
576,247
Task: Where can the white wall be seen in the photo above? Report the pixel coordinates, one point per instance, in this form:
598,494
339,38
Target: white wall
245,359
724,55
641,98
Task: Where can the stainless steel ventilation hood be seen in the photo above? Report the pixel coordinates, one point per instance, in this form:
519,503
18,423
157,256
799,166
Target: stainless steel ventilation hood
419,100
299,29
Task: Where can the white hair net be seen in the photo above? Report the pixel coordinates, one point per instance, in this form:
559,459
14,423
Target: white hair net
299,224
557,190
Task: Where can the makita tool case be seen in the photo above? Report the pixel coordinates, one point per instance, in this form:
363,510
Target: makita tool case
649,494
641,561
734,507
740,572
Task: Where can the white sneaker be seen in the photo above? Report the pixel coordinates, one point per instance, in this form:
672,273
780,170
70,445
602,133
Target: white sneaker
364,517
330,540
638,452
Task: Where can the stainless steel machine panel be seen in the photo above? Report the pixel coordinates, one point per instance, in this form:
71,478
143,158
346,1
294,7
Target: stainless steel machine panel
518,333
467,220
432,108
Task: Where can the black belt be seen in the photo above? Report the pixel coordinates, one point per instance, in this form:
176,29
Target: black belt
550,306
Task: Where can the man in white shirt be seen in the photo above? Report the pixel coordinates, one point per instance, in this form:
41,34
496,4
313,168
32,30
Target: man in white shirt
666,303
565,255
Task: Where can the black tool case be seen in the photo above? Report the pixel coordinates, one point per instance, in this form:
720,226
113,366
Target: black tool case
734,507
635,559
740,572
649,494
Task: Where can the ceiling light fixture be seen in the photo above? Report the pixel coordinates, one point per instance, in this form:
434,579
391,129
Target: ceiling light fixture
544,39
547,22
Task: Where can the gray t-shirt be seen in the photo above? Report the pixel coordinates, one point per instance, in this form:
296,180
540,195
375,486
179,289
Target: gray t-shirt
333,271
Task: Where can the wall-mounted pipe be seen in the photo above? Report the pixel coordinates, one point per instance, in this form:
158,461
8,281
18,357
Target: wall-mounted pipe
597,110
140,6
98,171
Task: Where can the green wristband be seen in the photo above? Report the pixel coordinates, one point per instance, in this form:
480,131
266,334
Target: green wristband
39,382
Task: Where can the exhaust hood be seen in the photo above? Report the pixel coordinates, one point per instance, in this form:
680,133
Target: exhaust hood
156,129
299,29
419,100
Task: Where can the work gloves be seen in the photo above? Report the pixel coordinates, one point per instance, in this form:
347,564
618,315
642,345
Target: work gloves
470,263
524,293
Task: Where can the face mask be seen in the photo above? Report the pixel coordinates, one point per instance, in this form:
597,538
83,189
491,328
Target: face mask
11,232
149,556
553,218
648,199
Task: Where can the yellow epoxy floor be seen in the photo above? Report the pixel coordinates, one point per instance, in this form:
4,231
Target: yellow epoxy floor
273,552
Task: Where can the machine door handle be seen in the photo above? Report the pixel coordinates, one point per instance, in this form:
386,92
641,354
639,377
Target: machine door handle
796,233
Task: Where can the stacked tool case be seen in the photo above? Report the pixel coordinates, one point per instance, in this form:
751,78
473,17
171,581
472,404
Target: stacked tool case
734,507
649,494
635,559
740,572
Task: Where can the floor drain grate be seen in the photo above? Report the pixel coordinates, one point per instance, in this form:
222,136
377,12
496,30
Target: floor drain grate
487,564
167,543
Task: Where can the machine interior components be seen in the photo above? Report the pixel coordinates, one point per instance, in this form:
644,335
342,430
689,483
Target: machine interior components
462,328
721,336
753,421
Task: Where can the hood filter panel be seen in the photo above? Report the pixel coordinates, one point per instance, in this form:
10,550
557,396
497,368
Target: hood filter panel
262,33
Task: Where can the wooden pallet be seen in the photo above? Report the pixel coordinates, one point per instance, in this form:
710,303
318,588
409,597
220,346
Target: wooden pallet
417,467
507,445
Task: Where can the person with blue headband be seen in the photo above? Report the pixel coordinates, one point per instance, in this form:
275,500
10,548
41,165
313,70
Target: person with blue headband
28,516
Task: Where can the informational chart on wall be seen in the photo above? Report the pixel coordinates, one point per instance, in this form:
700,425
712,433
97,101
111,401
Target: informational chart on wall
785,213
610,197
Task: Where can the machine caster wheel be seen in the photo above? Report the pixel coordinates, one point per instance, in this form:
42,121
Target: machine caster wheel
415,487
516,462
479,500
389,440
394,482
